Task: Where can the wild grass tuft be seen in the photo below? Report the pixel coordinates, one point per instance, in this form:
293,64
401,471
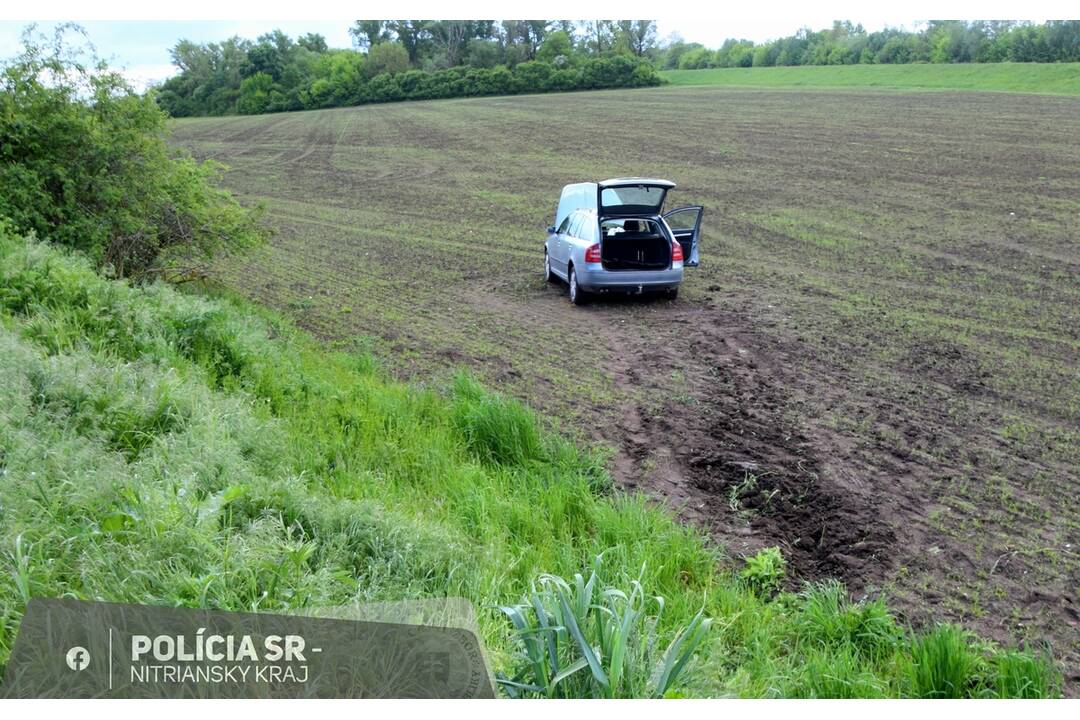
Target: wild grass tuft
495,429
944,663
828,619
1024,675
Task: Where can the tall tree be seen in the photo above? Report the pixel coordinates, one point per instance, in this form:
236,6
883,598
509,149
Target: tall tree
366,33
314,42
600,35
452,36
412,34
527,34
638,36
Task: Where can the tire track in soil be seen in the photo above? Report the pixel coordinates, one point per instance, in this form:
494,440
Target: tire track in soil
747,467
741,453
724,453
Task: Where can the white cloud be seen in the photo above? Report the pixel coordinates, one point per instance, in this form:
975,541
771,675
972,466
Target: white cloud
142,76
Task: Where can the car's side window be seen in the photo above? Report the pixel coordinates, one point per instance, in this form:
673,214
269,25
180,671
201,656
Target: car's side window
587,230
565,225
575,225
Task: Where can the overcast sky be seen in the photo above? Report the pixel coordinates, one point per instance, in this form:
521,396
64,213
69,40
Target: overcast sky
141,48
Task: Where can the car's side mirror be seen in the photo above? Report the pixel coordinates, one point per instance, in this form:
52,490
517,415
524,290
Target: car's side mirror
551,229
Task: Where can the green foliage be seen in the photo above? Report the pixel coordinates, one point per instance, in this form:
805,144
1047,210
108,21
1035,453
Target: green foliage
495,429
941,41
764,571
838,673
1024,675
944,664
84,162
556,44
343,78
827,619
257,93
387,57
404,60
587,641
695,59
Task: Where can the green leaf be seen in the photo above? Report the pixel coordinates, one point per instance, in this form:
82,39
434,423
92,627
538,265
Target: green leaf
680,651
583,645
578,665
550,638
116,522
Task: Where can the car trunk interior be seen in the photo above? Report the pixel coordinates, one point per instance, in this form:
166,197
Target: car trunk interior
633,245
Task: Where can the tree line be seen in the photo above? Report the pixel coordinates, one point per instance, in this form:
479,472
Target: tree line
941,41
427,59
408,60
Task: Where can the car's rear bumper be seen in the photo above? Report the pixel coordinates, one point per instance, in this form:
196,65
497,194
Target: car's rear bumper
597,279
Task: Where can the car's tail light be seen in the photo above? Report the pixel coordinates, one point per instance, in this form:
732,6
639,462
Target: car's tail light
592,254
676,252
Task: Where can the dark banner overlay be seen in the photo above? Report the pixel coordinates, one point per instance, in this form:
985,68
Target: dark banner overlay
74,649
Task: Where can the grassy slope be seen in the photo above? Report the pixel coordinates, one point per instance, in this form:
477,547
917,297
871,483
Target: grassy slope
165,448
1058,79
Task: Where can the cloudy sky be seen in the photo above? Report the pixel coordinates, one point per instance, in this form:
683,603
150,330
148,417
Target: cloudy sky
141,47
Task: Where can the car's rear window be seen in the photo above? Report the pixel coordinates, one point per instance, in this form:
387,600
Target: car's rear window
629,226
632,198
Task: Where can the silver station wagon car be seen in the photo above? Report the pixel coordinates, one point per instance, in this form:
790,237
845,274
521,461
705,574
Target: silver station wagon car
613,236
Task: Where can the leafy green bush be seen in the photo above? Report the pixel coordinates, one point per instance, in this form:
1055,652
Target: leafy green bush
764,571
84,162
342,77
583,641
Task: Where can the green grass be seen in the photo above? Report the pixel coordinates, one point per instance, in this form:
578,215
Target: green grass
1051,78
192,450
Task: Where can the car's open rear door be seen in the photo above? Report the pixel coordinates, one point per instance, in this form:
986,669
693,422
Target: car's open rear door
685,224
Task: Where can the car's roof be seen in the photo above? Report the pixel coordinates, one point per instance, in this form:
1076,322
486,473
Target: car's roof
616,182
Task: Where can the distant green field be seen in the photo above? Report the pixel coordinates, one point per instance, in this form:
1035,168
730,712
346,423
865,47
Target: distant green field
1053,78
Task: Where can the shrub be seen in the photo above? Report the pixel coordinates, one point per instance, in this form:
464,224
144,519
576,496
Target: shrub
84,162
695,59
587,641
388,57
764,571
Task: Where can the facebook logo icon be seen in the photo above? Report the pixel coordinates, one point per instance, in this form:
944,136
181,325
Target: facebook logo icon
78,658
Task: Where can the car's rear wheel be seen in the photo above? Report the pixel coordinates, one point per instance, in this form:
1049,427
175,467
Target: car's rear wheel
672,293
548,275
577,295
